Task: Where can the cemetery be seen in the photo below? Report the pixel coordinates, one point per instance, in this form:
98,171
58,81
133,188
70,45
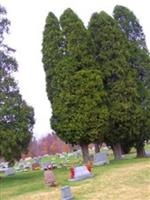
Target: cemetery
85,184
85,135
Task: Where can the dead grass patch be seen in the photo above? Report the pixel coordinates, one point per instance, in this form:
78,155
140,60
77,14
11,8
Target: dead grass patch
130,182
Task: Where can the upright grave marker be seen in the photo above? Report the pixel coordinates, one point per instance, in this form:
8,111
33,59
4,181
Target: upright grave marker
101,158
66,193
81,173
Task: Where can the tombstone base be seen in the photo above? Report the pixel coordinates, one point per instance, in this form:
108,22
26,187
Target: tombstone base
100,163
80,178
68,198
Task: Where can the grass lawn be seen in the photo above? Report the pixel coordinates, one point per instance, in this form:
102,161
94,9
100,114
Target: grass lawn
128,179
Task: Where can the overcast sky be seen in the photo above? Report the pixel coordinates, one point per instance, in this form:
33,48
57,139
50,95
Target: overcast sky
27,23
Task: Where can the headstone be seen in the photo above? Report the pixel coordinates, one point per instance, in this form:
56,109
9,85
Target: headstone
66,193
81,173
101,159
147,153
28,165
23,166
9,171
78,153
37,160
28,158
3,166
45,165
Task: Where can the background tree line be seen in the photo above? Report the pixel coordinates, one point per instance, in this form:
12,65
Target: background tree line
50,144
98,80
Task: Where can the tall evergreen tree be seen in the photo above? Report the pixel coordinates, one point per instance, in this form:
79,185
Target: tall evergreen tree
79,116
84,86
52,50
139,59
130,25
139,55
16,118
111,54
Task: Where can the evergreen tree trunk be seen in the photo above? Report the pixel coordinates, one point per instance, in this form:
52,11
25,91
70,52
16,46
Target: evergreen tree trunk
97,147
85,153
140,152
117,151
125,148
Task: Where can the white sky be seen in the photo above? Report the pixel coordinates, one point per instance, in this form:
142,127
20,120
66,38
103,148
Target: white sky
27,23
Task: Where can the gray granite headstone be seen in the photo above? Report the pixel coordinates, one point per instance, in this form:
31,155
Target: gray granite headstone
66,193
81,173
147,153
37,160
101,158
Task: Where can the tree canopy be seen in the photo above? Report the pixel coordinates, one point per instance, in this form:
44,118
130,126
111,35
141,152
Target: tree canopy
16,117
111,53
97,78
140,61
79,116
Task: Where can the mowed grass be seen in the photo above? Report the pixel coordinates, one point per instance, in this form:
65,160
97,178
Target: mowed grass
127,179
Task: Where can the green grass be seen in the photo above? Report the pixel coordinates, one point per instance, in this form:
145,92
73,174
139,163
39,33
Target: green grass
129,176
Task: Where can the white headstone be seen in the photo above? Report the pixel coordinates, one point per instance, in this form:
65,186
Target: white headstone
10,171
3,166
28,165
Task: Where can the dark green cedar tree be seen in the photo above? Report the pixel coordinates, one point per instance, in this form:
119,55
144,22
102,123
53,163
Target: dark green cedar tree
52,51
16,117
139,59
111,54
79,116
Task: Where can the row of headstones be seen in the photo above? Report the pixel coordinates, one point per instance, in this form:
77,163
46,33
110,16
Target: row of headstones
80,172
37,164
100,158
28,166
65,159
